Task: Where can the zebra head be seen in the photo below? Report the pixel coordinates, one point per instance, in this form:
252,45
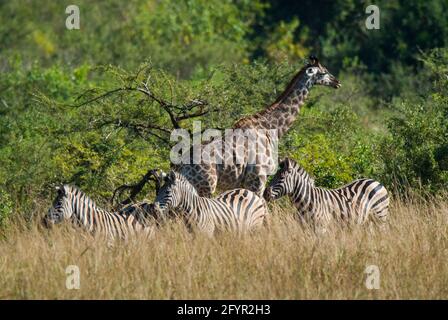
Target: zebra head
318,74
285,180
62,208
172,193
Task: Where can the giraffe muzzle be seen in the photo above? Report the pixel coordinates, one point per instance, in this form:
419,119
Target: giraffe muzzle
335,83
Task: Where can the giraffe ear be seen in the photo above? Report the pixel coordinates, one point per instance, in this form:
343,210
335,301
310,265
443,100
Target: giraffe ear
313,60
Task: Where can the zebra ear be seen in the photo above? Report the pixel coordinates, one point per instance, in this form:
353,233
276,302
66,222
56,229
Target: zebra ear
172,176
283,163
60,190
288,163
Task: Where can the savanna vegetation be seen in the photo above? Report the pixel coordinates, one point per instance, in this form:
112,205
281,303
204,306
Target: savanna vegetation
95,107
284,261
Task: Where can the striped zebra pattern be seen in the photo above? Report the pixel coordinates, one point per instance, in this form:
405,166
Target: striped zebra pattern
144,212
237,210
71,204
357,201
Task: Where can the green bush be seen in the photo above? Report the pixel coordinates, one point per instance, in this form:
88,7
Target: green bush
332,146
416,152
179,36
6,207
388,121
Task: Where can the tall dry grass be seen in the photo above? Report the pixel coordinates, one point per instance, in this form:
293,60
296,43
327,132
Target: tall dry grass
282,261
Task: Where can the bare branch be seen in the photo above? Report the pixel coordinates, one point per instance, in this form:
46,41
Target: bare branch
151,175
104,95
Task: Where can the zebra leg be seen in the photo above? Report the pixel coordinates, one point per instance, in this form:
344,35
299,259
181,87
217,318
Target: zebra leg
320,228
380,213
208,229
380,220
267,222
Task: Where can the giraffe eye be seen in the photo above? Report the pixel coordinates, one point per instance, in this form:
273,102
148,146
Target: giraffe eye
311,71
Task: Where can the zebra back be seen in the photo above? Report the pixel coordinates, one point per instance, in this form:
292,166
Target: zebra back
237,209
356,201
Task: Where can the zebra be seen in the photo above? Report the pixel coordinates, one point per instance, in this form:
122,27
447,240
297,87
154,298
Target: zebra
144,212
237,210
357,201
71,204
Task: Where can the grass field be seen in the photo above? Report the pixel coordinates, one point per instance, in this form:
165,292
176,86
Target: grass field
282,261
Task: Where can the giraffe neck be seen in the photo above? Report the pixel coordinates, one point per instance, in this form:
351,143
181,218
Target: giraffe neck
284,111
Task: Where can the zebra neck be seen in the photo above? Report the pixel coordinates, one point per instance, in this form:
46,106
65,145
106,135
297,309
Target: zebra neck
301,190
86,212
189,202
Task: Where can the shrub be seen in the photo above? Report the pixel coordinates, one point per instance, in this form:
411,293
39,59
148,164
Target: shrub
332,146
416,152
6,207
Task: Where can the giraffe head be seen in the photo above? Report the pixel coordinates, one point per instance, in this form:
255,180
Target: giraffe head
61,209
318,74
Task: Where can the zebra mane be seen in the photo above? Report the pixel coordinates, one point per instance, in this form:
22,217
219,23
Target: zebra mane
306,175
301,170
182,178
75,191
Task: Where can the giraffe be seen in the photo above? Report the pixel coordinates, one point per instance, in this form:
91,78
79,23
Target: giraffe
276,118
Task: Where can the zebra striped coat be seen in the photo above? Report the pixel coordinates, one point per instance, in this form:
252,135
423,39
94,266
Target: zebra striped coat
71,204
237,210
144,212
357,201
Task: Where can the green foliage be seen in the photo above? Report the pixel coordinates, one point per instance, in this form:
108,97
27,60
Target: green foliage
336,30
179,36
222,60
6,207
416,152
282,44
332,146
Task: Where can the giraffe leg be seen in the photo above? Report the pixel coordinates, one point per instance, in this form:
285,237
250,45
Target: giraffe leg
207,181
256,183
202,177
